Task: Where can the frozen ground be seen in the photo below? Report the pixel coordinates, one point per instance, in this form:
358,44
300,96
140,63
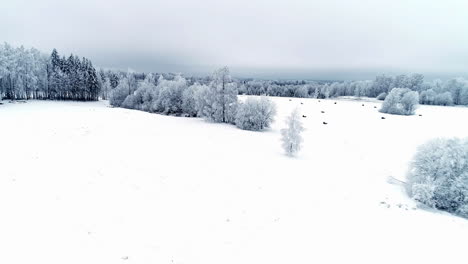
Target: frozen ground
85,183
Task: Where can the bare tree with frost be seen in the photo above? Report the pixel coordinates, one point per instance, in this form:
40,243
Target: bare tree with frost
291,135
218,101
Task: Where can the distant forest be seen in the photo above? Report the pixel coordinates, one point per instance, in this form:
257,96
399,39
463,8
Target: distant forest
30,74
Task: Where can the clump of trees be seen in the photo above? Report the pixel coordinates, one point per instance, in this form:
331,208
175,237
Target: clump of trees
72,79
215,101
438,176
23,73
29,74
291,135
400,101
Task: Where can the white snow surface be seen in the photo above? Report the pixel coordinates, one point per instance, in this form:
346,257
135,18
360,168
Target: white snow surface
86,183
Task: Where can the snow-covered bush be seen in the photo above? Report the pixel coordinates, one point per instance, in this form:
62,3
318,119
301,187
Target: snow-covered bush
381,96
291,135
438,176
400,101
255,114
120,93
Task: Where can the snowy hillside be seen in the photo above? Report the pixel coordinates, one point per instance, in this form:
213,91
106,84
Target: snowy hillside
86,183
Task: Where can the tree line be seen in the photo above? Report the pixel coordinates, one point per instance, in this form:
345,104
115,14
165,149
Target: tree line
216,101
29,74
436,92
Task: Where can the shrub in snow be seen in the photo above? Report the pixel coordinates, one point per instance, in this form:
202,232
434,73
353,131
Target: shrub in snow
400,101
120,93
255,114
381,96
218,101
438,175
291,135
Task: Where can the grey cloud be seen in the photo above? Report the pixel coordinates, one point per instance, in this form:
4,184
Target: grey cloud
301,39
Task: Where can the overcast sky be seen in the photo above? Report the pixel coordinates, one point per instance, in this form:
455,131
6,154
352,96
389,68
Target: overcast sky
316,39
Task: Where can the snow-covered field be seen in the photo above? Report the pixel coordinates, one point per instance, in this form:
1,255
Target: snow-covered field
85,183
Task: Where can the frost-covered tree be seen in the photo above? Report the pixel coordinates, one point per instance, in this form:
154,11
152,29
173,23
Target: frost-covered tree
23,73
105,84
120,93
325,91
189,106
255,114
316,92
106,88
358,92
400,101
274,90
457,87
301,91
444,99
438,176
113,78
225,93
218,103
392,105
204,101
409,102
291,135
415,82
427,97
149,93
170,95
382,84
